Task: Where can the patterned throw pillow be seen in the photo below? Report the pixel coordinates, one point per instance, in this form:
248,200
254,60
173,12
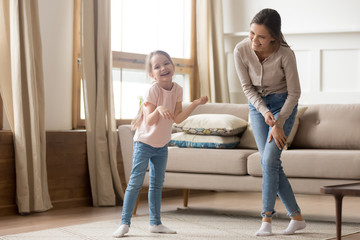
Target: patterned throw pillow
184,140
212,124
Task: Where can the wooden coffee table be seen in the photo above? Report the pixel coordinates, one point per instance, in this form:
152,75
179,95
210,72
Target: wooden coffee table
339,191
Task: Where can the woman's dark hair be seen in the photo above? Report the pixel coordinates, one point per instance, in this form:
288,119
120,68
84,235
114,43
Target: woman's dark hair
271,19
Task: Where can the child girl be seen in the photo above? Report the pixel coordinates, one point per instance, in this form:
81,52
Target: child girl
162,106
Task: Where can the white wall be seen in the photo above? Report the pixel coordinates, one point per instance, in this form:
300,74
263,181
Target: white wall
56,26
296,15
325,36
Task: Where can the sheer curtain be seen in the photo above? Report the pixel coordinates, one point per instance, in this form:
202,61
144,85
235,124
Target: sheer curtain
22,90
100,122
210,50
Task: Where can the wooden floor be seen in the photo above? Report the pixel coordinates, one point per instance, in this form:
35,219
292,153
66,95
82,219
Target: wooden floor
314,207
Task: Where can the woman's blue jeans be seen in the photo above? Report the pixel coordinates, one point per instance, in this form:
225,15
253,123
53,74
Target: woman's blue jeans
142,156
274,180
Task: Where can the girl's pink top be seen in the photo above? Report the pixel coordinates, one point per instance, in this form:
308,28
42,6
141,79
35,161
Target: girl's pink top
159,134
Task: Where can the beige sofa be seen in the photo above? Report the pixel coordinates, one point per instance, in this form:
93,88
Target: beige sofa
325,151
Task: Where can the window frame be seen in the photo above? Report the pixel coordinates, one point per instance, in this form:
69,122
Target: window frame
1,114
77,122
125,60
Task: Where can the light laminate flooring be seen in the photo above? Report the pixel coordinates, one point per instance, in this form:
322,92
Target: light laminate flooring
314,207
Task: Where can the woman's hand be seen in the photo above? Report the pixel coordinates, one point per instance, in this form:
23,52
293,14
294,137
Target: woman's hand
279,136
270,119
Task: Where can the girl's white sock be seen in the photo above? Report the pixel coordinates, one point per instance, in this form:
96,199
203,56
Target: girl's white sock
265,229
161,229
294,225
121,231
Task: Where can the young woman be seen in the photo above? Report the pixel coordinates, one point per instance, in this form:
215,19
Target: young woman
266,67
161,108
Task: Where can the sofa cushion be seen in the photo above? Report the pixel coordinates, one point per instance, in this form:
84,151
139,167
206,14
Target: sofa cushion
311,163
290,139
184,140
247,139
211,161
329,126
213,124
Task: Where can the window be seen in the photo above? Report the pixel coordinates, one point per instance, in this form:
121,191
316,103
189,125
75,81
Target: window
136,31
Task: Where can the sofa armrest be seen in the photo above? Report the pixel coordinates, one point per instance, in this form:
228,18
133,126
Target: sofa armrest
126,146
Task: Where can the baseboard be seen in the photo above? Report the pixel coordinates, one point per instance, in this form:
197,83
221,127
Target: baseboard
8,210
71,203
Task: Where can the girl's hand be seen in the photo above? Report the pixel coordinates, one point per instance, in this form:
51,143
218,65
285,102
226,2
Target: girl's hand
270,119
165,113
279,136
201,100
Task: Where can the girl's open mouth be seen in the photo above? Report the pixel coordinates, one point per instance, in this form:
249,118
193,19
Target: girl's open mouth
164,74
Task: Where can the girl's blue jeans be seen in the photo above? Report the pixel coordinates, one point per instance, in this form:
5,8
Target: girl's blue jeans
144,155
274,182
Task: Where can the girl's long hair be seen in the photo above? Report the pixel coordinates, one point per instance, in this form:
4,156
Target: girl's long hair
139,117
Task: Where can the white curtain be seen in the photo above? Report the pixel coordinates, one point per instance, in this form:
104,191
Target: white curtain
22,90
210,50
99,107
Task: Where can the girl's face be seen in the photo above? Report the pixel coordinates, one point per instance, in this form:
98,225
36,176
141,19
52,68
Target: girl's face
261,39
162,70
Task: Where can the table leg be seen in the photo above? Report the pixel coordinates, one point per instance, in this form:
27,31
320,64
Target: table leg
186,197
338,202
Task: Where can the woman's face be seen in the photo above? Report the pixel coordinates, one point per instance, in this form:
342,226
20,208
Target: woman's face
261,39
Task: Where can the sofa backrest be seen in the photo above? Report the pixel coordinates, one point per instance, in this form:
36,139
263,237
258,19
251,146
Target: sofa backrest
329,126
322,126
238,110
